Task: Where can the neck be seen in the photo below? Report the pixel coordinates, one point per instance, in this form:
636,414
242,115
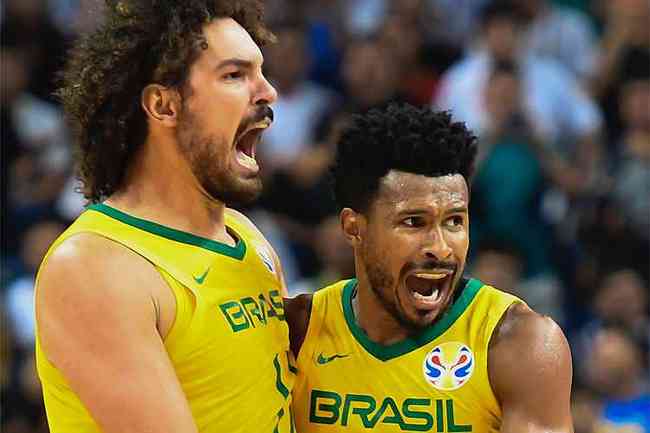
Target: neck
372,316
160,186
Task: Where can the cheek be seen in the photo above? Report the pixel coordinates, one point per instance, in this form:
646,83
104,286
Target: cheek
459,243
222,110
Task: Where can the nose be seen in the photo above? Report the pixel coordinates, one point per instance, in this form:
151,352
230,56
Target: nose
265,94
436,247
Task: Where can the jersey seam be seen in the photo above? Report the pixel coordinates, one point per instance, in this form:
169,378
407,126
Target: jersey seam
237,252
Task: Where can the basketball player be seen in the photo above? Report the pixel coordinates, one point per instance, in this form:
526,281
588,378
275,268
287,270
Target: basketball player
410,344
159,309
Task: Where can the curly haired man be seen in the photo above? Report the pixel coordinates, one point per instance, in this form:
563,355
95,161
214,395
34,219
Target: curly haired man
160,309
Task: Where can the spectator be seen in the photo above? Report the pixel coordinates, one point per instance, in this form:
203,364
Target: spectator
35,144
28,23
561,33
334,254
616,370
370,77
509,180
621,299
20,293
458,21
632,176
562,115
500,264
624,55
301,103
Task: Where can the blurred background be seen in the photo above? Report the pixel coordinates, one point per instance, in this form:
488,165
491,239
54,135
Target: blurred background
557,90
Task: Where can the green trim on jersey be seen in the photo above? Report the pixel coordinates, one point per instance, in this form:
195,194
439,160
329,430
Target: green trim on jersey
385,353
237,252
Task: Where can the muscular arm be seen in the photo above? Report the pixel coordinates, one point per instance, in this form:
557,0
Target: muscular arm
96,309
530,372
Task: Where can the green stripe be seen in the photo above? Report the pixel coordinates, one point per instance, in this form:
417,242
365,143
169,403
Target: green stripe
237,252
385,353
292,368
278,380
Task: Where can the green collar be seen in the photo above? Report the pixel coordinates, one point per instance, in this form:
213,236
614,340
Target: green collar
385,353
237,252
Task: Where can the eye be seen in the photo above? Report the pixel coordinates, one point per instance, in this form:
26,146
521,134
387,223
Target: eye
413,221
455,220
234,75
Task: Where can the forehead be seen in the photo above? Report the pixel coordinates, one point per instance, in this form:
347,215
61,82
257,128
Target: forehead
227,39
400,191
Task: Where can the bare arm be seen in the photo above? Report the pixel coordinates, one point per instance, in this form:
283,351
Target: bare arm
530,372
298,313
97,315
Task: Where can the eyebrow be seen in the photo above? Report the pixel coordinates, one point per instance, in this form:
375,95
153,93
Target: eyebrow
241,63
460,209
419,211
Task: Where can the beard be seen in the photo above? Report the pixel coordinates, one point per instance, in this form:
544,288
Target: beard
384,286
205,154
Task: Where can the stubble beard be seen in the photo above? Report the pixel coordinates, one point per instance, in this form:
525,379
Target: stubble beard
383,285
210,168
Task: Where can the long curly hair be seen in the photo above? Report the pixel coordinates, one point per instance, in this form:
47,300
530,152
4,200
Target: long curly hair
140,42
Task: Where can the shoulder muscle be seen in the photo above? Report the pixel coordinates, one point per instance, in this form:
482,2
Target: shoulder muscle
530,372
96,313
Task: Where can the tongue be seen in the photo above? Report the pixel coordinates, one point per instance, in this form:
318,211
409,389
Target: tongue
422,286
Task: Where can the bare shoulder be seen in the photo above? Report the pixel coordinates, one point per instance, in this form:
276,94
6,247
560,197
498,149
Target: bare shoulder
89,277
530,371
298,311
522,327
87,258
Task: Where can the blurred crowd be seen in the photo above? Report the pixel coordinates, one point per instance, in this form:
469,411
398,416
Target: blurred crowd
557,90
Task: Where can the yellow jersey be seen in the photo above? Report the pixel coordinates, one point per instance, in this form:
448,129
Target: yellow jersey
436,381
229,343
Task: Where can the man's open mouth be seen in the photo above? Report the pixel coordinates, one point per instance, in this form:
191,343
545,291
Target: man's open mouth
246,143
428,288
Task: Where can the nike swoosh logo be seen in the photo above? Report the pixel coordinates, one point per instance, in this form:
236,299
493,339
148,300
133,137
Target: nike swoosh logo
327,359
200,279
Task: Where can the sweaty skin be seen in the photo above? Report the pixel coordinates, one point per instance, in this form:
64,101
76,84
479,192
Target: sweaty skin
529,362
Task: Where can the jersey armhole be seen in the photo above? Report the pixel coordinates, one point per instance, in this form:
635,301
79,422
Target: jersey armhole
313,328
496,316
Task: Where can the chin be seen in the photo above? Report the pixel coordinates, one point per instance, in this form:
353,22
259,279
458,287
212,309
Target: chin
239,193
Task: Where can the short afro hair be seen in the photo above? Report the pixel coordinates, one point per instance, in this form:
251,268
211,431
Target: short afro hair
398,137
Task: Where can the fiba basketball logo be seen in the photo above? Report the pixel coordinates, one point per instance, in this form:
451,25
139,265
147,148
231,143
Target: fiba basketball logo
264,254
448,366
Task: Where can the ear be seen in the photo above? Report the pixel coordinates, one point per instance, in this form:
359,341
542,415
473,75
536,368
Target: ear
162,104
353,225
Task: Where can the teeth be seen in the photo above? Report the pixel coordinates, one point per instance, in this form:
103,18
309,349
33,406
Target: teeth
433,295
263,124
432,276
247,161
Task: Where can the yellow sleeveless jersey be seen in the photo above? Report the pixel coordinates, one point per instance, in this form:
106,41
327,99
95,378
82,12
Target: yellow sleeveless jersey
436,381
229,343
